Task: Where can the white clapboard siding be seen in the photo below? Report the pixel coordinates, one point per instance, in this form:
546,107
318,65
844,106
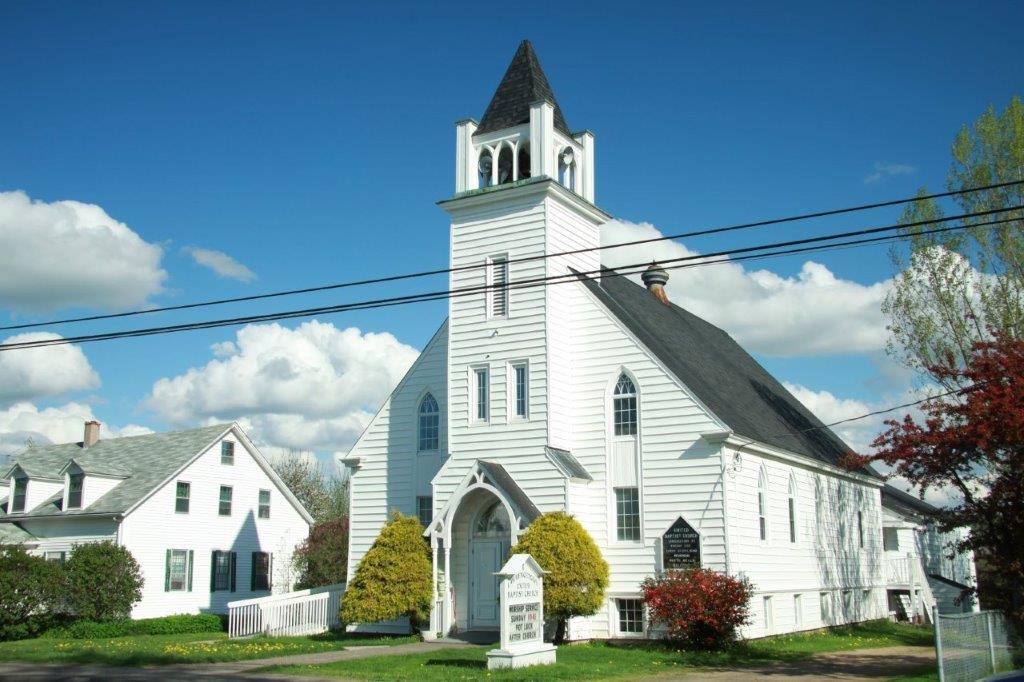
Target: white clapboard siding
154,527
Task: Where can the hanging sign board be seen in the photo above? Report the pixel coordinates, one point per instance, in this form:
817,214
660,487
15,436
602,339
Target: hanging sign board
680,547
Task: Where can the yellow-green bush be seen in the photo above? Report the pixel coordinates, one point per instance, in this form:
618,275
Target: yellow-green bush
577,573
394,577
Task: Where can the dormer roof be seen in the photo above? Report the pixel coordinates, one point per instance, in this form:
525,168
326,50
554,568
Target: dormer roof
524,83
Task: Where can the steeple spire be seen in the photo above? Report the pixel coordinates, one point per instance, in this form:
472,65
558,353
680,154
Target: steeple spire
523,84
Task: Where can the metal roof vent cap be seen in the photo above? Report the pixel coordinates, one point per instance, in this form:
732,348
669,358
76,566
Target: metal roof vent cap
655,278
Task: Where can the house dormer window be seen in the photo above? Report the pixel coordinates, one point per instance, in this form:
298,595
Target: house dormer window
75,482
20,491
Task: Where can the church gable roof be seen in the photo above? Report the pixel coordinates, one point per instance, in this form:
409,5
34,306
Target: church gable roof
731,383
523,84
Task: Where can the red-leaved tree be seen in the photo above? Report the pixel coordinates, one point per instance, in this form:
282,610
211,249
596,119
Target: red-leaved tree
973,442
699,608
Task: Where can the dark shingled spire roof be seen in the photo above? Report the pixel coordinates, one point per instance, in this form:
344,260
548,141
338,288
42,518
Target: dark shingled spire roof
524,83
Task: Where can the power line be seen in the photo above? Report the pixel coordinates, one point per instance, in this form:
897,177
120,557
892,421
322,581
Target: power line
441,271
685,261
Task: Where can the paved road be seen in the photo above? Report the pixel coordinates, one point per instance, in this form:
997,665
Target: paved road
852,666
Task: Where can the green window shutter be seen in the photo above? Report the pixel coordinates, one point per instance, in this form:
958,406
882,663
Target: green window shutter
233,571
190,559
167,571
213,570
252,573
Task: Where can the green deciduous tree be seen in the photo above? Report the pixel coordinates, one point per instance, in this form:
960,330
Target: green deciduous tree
103,581
956,288
394,577
577,573
29,586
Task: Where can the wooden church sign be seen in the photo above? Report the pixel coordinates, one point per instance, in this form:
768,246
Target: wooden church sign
680,547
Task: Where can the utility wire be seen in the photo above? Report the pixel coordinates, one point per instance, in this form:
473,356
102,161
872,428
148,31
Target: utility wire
685,261
441,271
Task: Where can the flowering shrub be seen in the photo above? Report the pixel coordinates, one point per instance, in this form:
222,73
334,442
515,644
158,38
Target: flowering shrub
698,608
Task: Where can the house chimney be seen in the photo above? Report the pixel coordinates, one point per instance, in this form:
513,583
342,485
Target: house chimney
92,433
655,277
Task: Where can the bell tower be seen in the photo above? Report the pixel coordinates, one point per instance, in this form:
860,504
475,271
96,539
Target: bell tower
522,135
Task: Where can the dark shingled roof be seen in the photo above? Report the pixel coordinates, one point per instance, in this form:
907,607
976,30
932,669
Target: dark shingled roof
899,501
524,83
732,384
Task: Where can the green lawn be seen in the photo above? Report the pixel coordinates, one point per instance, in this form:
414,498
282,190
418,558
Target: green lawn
607,660
208,647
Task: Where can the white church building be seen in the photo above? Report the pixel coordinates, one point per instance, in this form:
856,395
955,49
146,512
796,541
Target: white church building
599,397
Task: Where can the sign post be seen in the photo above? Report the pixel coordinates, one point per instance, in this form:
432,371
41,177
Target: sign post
680,547
522,616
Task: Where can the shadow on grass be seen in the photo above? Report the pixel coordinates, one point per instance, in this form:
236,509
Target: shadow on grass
456,663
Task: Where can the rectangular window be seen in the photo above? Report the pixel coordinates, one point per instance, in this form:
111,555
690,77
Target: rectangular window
264,500
260,572
181,497
221,571
59,557
798,610
825,604
847,605
762,520
624,415
627,514
631,615
225,501
75,482
792,520
227,452
865,606
769,616
481,392
425,509
20,491
860,529
891,539
178,570
521,386
498,291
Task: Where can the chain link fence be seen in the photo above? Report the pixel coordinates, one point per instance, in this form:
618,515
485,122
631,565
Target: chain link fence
972,646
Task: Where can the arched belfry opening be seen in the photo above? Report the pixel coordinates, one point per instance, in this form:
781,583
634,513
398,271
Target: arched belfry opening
567,168
505,164
485,168
524,160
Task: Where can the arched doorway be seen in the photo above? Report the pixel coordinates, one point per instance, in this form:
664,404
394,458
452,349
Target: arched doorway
489,542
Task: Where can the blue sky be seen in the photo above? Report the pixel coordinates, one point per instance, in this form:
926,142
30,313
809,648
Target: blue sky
310,142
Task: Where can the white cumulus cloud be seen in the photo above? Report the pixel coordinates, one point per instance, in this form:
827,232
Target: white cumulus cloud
811,313
314,387
66,254
29,373
24,421
881,171
220,263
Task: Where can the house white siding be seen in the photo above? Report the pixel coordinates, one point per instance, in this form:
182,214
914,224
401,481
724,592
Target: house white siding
154,527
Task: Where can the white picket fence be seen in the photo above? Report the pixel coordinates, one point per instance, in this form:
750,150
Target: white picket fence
305,612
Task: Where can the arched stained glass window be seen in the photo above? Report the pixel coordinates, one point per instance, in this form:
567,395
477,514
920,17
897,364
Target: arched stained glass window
429,424
624,411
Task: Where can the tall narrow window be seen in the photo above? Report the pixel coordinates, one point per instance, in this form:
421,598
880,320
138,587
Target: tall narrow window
429,424
227,452
498,290
20,492
259,578
222,571
627,514
75,482
520,382
178,570
798,610
224,508
624,407
792,509
762,505
769,615
481,394
264,504
860,529
182,493
425,509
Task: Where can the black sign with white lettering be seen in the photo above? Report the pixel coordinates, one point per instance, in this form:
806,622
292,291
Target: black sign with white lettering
680,546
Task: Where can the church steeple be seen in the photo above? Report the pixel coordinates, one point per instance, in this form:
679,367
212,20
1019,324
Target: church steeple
523,136
524,84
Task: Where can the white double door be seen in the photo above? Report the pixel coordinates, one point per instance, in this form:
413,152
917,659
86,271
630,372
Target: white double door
485,557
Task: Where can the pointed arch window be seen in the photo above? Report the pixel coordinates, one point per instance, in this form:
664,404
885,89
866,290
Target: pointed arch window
624,410
762,505
493,522
429,424
792,508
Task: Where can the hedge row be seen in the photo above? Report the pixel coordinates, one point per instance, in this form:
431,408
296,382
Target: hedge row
124,627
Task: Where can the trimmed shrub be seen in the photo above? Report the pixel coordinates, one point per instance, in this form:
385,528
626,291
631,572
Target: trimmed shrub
30,590
322,558
103,581
124,627
699,608
577,573
394,577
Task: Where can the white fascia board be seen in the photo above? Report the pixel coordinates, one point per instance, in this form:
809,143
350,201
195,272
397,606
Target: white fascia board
743,443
